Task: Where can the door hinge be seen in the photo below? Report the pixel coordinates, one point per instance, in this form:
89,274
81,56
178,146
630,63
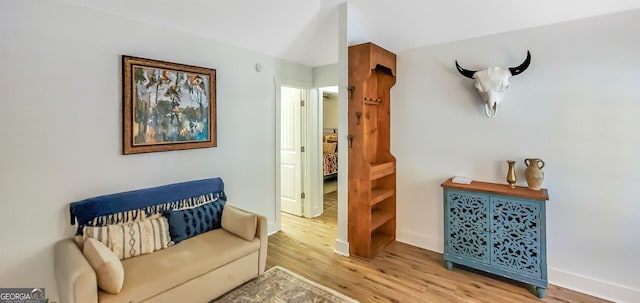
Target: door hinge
302,195
301,102
302,149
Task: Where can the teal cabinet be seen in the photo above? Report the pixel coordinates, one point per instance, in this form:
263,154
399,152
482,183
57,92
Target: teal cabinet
497,229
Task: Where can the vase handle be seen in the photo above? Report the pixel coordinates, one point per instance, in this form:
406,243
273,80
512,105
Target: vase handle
526,162
541,162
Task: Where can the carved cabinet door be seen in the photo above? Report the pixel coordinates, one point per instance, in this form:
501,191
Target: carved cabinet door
467,225
516,235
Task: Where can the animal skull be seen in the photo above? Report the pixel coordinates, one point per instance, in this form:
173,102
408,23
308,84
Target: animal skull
492,83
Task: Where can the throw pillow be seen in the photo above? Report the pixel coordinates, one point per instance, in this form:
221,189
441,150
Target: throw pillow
99,230
239,223
160,233
186,223
141,237
79,239
131,239
100,233
108,268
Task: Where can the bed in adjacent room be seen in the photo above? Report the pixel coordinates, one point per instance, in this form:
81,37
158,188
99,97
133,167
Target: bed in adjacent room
330,155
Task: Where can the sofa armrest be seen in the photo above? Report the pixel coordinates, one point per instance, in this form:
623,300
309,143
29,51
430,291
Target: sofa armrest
76,279
261,233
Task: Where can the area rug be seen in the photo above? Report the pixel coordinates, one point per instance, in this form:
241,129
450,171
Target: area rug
278,285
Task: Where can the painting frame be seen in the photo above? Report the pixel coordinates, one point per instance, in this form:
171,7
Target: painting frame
156,116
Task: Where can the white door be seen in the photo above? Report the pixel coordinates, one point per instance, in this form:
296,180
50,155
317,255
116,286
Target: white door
290,150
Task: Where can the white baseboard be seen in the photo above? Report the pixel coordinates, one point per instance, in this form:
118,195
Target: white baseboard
272,228
594,287
420,240
342,248
587,285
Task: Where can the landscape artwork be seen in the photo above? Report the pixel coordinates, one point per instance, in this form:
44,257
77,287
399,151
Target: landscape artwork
167,106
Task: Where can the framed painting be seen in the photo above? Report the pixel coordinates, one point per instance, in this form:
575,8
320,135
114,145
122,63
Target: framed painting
167,106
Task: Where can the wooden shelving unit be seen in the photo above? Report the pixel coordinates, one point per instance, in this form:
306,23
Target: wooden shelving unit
372,167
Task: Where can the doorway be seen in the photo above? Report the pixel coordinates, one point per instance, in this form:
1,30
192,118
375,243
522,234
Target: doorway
330,158
328,97
307,153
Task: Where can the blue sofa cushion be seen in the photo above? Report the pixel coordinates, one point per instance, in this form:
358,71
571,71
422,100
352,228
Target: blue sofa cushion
186,223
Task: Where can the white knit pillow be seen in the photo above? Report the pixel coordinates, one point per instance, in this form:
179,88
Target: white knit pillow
131,239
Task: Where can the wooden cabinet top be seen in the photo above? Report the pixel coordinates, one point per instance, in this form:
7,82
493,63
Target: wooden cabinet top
502,189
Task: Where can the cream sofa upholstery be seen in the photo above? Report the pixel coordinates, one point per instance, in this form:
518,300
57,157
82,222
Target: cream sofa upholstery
197,269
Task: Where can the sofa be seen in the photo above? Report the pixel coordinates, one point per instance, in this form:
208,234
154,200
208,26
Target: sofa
197,269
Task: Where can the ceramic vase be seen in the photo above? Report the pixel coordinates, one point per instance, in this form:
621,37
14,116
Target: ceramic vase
534,173
511,174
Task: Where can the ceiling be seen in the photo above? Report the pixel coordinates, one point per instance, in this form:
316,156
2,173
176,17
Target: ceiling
306,31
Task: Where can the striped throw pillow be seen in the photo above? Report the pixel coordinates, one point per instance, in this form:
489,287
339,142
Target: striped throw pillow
160,233
99,233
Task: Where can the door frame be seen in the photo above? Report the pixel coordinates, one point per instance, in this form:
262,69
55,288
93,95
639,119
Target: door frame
315,135
307,87
313,205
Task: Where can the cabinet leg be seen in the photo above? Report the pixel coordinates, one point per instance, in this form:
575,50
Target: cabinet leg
449,265
540,292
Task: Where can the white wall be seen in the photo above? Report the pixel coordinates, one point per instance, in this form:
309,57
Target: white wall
61,124
325,75
330,111
577,107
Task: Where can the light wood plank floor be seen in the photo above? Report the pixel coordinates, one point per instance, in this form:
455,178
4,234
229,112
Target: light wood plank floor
400,273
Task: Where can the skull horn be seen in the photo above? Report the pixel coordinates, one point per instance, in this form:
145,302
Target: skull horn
465,72
522,67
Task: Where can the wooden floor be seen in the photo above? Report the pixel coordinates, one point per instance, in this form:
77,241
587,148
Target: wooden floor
400,273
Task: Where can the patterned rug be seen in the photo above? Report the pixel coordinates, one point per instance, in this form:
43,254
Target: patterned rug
278,285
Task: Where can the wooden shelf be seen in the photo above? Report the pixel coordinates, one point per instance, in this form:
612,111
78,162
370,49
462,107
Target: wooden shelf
380,217
380,194
379,170
380,240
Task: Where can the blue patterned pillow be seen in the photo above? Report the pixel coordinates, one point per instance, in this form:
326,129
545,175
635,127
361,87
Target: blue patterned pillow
186,223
